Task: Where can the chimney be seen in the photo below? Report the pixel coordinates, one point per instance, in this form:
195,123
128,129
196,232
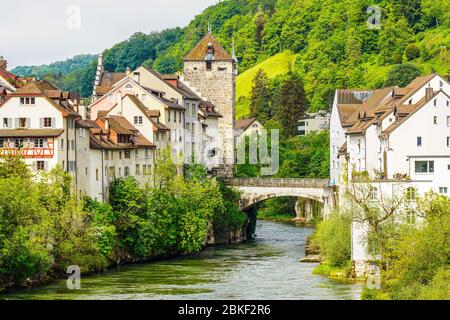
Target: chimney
137,77
128,71
429,93
3,63
120,102
107,123
82,110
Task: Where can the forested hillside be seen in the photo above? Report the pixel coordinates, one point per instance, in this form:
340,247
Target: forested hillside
332,43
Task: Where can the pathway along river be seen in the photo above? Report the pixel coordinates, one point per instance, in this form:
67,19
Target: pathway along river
266,268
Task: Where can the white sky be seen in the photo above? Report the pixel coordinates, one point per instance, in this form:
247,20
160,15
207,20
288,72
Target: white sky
37,31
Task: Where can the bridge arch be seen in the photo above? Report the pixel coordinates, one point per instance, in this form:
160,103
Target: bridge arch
255,190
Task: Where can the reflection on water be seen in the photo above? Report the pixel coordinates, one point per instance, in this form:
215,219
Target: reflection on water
267,268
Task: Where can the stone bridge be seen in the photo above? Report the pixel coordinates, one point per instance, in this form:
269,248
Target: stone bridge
309,191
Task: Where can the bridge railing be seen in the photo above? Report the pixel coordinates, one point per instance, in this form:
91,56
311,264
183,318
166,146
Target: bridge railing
277,182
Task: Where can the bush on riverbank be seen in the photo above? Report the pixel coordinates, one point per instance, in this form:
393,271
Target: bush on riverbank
418,266
333,237
44,228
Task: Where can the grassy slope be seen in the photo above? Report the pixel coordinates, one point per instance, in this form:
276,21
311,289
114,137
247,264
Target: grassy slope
273,66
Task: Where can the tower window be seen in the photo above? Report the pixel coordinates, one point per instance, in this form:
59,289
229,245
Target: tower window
208,65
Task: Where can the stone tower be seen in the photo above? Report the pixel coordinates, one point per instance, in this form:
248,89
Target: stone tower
211,71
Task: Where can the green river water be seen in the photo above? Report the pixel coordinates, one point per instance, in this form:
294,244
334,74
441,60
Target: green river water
266,268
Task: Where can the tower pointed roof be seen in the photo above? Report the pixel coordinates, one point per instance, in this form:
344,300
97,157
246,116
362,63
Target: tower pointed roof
201,50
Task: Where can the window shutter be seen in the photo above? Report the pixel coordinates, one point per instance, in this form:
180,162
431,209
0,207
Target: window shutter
45,143
28,123
46,164
10,123
16,122
53,122
41,123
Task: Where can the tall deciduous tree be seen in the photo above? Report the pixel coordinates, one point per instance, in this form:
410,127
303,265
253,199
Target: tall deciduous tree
292,103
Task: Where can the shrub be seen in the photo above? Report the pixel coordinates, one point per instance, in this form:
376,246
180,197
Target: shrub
334,239
412,52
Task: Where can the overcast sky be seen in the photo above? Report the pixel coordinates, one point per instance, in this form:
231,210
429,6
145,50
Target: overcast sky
43,31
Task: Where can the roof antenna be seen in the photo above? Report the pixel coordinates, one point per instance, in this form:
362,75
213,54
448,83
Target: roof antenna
234,53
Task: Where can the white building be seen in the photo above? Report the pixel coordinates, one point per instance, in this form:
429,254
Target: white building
247,127
314,122
397,136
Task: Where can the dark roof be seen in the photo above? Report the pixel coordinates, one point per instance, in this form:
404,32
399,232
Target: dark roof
19,133
208,109
345,111
180,88
88,124
200,50
121,125
108,80
244,123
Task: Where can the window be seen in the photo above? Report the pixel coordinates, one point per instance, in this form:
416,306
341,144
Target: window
373,193
443,190
40,165
174,116
120,157
435,102
448,121
359,145
47,122
120,171
179,118
169,112
448,142
22,122
62,144
138,120
410,216
411,194
127,154
81,132
435,120
194,111
137,153
424,166
73,144
441,84
27,101
6,123
146,153
419,141
255,126
39,143
86,171
126,171
188,108
72,166
18,143
138,170
208,65
301,123
96,174
112,172
106,155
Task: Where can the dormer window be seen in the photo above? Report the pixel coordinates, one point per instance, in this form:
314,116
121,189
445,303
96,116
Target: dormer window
208,65
27,101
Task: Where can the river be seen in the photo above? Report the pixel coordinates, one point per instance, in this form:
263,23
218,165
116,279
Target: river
266,268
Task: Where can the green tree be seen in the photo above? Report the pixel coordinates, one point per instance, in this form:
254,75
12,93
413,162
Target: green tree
292,104
402,74
260,98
